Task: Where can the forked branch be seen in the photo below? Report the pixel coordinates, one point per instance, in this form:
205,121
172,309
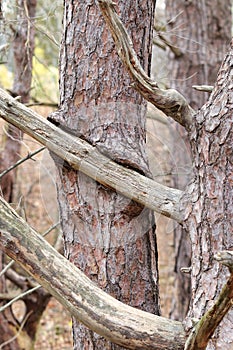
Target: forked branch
170,101
80,155
117,322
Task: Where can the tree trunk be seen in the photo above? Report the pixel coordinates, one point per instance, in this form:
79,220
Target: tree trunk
209,210
22,53
207,218
202,32
203,42
23,49
111,238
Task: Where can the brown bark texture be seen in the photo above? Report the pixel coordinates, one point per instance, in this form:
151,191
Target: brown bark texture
16,233
80,155
209,214
111,238
23,49
201,30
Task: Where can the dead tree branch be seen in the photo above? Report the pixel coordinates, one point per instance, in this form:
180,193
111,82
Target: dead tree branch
80,155
170,101
176,51
28,156
205,88
19,296
205,328
120,323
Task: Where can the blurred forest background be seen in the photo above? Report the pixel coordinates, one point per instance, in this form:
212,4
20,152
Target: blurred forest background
34,192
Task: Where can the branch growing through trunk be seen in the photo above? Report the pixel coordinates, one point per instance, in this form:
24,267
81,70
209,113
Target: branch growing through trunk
170,101
120,323
205,328
80,155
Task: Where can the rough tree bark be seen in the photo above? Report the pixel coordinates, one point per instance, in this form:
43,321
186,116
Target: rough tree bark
209,213
208,196
202,42
23,50
111,238
120,323
201,205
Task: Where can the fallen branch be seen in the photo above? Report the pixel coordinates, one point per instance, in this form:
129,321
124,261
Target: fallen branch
170,101
80,155
117,322
205,328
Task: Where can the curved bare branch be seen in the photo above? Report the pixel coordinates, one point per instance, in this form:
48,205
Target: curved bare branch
80,155
120,323
170,101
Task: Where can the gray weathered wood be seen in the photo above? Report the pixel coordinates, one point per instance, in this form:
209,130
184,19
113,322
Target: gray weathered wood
120,323
82,156
170,101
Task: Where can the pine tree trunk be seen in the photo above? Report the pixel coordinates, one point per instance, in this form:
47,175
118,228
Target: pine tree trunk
201,30
208,212
111,238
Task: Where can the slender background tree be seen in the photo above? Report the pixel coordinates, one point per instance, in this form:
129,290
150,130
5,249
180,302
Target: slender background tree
23,49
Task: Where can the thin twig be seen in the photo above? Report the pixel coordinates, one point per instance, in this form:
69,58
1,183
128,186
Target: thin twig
20,296
17,334
50,229
7,267
29,156
177,52
43,104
